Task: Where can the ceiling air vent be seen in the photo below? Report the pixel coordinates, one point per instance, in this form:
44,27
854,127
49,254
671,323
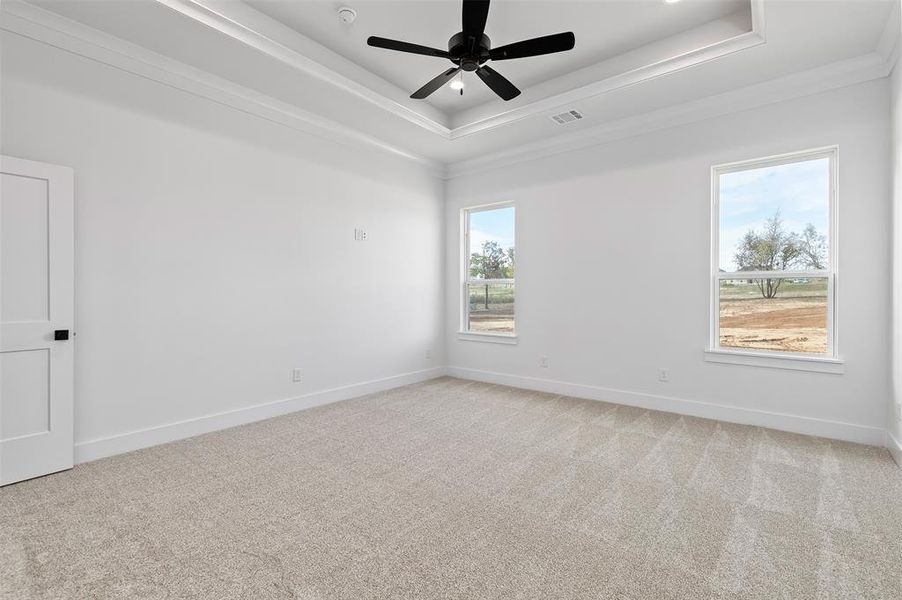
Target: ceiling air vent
567,117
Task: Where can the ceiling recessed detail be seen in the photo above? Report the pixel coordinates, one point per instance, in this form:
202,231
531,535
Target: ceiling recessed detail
613,38
626,43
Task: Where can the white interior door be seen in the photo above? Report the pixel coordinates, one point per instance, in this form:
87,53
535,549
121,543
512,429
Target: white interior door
36,312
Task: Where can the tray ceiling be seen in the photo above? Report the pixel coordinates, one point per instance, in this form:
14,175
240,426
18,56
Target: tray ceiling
604,30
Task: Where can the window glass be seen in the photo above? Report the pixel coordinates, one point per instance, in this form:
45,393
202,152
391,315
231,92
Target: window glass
492,244
491,307
775,218
773,273
489,286
794,319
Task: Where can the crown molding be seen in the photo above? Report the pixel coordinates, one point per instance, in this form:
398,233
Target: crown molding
266,35
27,20
814,81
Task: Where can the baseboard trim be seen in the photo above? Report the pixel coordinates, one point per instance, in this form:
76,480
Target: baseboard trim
862,434
143,438
894,447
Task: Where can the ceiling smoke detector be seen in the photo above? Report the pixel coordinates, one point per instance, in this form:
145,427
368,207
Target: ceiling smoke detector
347,15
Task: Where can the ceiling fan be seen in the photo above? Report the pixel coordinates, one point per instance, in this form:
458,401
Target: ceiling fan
471,48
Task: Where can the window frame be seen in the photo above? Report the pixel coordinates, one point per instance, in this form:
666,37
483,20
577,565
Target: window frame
464,332
828,361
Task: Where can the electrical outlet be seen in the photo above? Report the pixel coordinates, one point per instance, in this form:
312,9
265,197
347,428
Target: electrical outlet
428,354
360,234
543,362
664,375
899,411
296,375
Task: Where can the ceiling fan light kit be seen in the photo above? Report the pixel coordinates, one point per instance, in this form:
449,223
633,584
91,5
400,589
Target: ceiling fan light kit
458,84
471,48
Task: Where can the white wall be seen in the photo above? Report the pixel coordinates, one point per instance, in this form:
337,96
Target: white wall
613,269
215,251
894,420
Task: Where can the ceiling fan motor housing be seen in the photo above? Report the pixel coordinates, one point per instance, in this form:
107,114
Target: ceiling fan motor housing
462,53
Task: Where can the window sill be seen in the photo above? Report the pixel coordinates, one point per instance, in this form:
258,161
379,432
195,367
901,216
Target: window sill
816,364
491,338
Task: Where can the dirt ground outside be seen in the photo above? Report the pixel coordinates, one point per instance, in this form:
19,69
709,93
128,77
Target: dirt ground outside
492,323
793,324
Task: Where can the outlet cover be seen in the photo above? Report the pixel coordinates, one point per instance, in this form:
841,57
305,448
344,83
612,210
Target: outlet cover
664,375
296,375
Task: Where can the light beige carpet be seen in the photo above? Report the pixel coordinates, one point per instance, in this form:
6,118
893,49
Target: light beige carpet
455,489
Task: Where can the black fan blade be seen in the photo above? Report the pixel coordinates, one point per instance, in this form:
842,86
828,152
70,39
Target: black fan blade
475,13
435,84
547,44
379,42
498,83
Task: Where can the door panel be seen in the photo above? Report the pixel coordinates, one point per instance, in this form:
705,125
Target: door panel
24,294
36,298
25,389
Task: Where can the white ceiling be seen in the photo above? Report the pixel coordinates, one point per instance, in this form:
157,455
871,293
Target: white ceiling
603,30
299,58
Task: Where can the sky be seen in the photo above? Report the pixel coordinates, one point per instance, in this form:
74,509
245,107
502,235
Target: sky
496,225
800,191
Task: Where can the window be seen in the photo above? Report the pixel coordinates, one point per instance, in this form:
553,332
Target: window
774,255
488,271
